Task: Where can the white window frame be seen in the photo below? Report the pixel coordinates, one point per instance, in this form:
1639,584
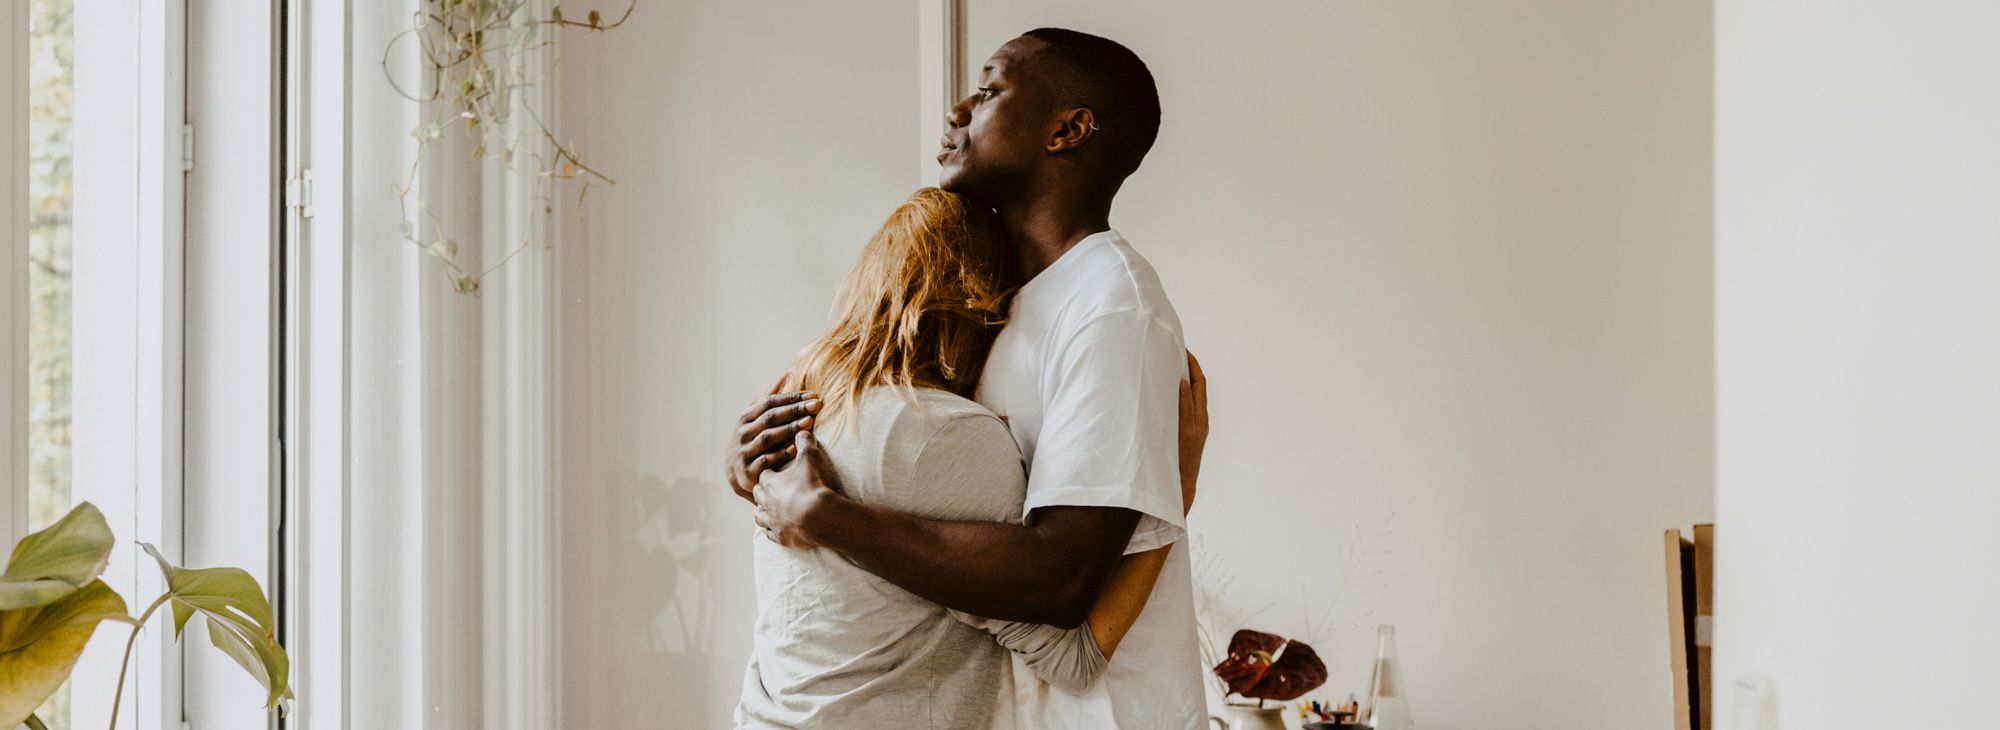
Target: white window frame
139,353
128,266
14,272
317,352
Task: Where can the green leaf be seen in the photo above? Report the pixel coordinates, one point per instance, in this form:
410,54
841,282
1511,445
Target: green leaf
39,646
556,13
57,560
240,622
445,250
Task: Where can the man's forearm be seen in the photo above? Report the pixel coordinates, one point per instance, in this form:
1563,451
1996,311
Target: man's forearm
1049,573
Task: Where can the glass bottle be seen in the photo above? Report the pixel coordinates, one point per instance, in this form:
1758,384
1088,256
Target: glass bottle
1388,709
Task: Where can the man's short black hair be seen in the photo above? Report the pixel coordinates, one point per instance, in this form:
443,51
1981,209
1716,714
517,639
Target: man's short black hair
1111,80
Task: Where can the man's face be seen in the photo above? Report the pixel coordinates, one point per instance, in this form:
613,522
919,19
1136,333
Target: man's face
995,138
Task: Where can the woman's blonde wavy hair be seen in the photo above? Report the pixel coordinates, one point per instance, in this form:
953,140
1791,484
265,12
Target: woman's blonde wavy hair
920,309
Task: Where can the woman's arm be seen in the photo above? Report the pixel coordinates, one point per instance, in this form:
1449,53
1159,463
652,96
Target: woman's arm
1072,659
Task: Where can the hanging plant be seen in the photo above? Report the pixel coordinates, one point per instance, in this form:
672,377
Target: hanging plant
477,56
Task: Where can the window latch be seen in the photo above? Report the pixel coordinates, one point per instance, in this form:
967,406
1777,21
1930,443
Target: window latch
299,193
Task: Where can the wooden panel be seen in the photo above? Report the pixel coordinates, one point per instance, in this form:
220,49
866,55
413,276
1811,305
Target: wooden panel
1704,633
1680,641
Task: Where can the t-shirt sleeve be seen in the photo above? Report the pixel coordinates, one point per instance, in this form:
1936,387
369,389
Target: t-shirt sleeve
968,469
1111,425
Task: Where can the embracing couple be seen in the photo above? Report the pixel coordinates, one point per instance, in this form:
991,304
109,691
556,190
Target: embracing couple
971,490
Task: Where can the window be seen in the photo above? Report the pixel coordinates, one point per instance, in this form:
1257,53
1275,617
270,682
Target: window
51,91
51,87
89,318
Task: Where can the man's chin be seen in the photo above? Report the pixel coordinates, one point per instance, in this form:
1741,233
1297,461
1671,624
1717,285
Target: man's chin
951,179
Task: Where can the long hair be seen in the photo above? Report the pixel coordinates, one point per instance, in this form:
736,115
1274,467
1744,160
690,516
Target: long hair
920,309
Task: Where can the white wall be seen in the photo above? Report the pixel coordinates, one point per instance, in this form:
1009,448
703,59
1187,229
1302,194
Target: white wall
1444,261
1450,262
1858,276
757,145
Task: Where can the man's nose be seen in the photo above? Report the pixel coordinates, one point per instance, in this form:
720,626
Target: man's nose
959,114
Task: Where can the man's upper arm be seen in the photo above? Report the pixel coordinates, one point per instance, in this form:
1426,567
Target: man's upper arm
1109,435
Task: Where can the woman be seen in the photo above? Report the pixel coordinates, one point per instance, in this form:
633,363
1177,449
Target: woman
838,647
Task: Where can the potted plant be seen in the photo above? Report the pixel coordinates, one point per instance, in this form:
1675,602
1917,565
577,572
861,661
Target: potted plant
51,601
1262,667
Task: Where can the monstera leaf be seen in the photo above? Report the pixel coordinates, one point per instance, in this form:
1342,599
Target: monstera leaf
57,560
1267,667
39,645
240,622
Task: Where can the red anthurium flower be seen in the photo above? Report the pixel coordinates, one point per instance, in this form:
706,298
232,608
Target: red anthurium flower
1267,667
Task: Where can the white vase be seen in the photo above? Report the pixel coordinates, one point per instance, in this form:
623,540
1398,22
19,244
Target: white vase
1251,718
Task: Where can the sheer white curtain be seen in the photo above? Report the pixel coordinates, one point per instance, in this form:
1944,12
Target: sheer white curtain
449,552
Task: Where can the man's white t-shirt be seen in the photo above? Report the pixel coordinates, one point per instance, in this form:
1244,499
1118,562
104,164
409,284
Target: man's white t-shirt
1087,374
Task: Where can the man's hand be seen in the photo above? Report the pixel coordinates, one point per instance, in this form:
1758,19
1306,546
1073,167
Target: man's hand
787,498
1194,428
763,437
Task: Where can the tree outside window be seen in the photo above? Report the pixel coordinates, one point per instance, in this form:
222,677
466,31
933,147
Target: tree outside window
51,92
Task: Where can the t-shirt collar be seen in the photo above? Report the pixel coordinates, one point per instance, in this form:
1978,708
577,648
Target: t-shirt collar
1101,237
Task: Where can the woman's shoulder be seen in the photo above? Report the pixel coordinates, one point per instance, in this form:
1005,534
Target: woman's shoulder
921,406
945,405
942,456
918,416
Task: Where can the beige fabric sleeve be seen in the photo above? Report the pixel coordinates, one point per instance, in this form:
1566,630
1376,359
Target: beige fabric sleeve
1067,659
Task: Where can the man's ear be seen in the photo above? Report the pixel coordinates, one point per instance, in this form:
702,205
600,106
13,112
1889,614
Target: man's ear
1073,129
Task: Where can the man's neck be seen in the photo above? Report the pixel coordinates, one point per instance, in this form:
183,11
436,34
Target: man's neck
1042,229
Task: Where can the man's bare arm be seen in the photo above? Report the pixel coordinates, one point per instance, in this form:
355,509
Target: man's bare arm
1049,572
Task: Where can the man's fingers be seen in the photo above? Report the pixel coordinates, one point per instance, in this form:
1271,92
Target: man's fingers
777,437
738,476
741,470
775,400
770,462
783,415
1197,381
806,445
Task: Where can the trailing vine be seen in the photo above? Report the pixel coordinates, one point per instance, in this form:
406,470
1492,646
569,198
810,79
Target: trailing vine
476,54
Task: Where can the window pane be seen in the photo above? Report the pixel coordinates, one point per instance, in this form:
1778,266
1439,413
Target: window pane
51,91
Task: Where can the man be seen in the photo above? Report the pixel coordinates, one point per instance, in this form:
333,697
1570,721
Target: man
1086,374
